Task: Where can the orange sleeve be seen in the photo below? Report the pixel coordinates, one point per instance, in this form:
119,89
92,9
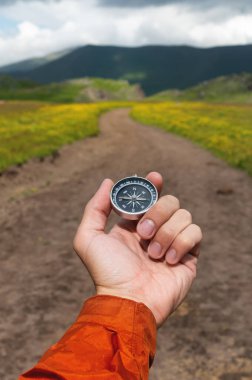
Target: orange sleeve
113,338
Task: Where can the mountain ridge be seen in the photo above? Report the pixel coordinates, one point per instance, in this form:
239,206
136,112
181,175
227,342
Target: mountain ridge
32,63
154,67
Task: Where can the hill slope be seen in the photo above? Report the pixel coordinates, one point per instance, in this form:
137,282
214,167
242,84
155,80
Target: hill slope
235,88
155,68
78,90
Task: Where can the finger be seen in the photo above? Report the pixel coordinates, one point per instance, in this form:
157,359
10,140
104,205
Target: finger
190,262
184,243
196,250
156,179
154,218
168,232
98,208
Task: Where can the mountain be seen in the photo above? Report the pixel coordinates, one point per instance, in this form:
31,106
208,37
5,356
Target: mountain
77,90
236,88
30,64
155,68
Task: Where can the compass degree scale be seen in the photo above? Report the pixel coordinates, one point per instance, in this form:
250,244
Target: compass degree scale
132,196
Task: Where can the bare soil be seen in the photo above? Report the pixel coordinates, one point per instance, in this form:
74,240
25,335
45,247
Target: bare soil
43,284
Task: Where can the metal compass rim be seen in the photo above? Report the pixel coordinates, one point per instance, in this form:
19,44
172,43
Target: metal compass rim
128,214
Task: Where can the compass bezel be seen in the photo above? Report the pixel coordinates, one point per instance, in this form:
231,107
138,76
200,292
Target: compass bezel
127,214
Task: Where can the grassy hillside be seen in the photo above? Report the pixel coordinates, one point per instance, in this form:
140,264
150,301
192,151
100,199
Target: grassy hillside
229,89
30,129
226,130
155,68
79,90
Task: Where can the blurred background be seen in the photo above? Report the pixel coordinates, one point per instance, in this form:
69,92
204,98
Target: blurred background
108,88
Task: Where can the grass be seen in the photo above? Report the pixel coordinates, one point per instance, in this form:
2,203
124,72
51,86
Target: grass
225,130
30,129
236,88
34,129
79,90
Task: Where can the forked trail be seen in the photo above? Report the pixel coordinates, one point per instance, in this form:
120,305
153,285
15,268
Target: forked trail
43,284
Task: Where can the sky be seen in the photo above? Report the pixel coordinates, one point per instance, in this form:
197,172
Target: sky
34,28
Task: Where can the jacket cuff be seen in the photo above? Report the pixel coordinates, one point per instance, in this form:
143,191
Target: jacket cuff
123,316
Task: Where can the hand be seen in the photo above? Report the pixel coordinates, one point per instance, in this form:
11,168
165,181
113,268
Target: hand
151,261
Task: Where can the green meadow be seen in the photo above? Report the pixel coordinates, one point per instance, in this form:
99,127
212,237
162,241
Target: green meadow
36,129
31,129
224,129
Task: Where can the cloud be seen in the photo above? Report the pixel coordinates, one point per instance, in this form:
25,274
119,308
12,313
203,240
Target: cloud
48,26
11,2
242,5
202,4
137,3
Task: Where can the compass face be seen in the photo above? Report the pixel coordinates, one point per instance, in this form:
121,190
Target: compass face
131,197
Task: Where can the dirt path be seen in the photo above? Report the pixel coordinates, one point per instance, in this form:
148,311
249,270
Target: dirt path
43,284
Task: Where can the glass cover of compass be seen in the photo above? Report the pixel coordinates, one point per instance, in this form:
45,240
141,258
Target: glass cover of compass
132,196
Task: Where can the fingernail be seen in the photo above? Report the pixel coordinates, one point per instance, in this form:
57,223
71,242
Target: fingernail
171,256
146,228
155,249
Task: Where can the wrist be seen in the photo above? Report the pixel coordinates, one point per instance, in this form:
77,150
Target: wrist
123,294
120,293
115,293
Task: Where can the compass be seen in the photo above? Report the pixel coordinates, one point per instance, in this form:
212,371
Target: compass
132,196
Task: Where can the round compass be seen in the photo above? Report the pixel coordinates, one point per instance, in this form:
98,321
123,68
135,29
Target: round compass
132,196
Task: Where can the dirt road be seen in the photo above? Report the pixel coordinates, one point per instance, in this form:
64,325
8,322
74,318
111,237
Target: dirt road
43,284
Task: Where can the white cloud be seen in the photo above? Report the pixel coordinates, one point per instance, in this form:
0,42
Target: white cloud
45,27
235,31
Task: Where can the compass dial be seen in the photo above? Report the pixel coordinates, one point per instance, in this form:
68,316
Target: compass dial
131,197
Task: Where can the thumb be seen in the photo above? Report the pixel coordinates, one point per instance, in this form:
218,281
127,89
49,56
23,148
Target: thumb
98,209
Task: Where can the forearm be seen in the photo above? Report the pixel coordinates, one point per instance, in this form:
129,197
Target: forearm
113,338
